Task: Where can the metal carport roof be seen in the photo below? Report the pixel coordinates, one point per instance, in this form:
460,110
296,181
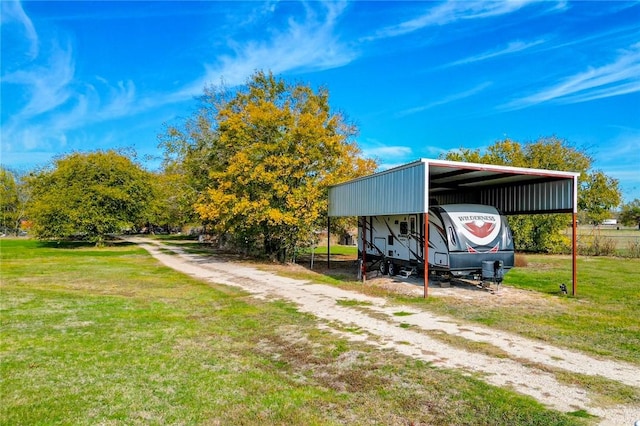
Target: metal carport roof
410,187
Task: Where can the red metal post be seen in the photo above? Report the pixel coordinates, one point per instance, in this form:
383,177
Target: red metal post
425,253
574,250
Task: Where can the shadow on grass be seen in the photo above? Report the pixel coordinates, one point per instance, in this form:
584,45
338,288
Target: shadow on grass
81,244
340,268
344,268
174,237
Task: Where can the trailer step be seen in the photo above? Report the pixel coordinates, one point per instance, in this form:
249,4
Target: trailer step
406,273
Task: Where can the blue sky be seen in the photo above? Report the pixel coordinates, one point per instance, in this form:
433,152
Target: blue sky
417,78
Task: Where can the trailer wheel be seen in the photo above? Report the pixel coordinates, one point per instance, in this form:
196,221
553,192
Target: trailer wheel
383,267
393,269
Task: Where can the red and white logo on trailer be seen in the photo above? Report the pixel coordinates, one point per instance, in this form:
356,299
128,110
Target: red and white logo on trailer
479,228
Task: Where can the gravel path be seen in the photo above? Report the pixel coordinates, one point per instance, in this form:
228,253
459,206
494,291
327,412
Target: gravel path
524,370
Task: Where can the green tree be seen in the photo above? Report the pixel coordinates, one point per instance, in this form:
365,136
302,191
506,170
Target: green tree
630,213
11,203
543,233
172,205
88,195
598,195
260,161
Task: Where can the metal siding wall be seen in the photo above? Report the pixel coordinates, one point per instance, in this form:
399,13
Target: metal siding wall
402,191
458,198
538,197
396,192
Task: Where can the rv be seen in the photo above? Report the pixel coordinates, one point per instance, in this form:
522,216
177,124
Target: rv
463,239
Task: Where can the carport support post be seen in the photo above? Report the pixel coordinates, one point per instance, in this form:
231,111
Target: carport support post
425,253
574,253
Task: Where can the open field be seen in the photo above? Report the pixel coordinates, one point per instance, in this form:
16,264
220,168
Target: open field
108,336
623,239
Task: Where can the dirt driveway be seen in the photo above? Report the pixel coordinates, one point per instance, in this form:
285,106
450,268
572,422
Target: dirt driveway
526,369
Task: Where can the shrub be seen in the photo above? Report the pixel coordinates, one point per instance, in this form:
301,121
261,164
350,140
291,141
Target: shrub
521,261
598,246
633,248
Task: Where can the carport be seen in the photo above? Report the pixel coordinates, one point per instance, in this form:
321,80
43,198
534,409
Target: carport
408,189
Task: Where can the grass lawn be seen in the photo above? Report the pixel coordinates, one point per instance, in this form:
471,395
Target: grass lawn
108,336
603,317
601,320
335,249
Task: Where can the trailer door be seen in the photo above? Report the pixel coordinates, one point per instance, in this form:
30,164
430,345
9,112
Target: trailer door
380,246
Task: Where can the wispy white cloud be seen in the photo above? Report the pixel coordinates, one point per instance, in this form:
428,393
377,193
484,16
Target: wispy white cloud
450,12
617,89
452,98
53,99
44,85
387,156
628,180
390,156
387,152
254,14
58,101
513,47
619,157
47,85
14,14
622,76
310,44
622,147
431,151
120,101
87,105
620,36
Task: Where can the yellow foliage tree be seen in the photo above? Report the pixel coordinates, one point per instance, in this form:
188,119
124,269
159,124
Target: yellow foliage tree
262,160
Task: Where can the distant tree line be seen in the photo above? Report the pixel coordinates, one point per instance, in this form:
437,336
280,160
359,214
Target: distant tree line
252,167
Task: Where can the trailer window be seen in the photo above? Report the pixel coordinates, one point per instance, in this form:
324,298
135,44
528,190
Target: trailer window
452,236
404,228
390,240
412,225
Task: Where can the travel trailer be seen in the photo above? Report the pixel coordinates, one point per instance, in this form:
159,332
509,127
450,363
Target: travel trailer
463,240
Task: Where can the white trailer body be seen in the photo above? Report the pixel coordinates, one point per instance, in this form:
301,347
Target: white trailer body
461,238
